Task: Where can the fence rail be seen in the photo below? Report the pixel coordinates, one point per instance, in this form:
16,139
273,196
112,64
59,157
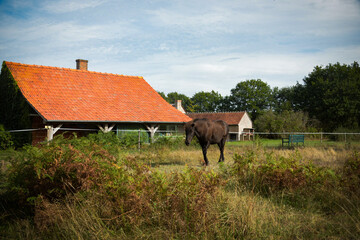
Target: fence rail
141,135
345,136
89,130
304,133
169,133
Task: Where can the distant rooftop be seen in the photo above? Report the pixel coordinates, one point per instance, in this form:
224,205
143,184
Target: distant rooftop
231,118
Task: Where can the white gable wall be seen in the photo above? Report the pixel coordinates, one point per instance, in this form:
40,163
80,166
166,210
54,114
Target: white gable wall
245,122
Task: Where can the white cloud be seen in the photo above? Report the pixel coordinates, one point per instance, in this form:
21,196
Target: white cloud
208,21
64,6
190,74
44,35
261,18
186,46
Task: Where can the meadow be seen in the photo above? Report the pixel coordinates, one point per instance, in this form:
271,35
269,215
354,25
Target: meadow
99,188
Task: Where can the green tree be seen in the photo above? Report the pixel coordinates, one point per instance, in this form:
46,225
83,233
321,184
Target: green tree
286,121
253,96
163,95
331,94
14,109
173,96
206,101
287,98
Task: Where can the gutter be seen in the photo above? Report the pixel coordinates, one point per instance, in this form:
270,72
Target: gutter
91,121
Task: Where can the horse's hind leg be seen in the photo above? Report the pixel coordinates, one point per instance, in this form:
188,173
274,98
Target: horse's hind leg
204,149
221,145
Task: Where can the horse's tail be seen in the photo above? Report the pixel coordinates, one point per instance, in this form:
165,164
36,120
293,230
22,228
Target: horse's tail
227,129
225,126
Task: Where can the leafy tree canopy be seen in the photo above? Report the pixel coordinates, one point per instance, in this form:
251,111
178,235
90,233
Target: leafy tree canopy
252,96
331,94
163,95
282,99
207,101
14,109
173,96
286,121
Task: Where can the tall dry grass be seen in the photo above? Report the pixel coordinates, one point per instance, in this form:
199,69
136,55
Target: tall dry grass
164,192
323,156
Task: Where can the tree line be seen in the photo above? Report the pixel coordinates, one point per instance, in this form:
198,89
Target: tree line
327,100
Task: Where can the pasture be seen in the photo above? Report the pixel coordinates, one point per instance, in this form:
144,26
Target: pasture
93,188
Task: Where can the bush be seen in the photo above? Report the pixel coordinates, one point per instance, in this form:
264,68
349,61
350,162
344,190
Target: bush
286,121
54,171
351,174
77,188
273,173
5,139
111,140
40,179
342,137
171,142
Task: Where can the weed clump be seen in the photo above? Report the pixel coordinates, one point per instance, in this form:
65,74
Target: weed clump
53,171
272,173
97,187
351,173
49,182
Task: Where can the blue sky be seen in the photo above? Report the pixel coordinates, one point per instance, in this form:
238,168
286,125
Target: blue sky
184,46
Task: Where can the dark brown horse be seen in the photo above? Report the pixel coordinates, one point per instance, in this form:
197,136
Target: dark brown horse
208,132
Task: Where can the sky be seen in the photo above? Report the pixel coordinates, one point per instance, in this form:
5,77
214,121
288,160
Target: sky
184,46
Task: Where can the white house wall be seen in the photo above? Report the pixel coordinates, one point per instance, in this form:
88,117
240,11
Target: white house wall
245,122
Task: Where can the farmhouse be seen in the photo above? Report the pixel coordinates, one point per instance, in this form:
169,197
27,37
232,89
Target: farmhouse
50,99
240,124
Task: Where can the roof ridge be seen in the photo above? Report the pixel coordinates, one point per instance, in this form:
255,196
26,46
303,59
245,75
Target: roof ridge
70,69
215,112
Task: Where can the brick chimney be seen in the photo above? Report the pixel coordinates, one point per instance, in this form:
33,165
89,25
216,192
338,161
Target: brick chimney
81,64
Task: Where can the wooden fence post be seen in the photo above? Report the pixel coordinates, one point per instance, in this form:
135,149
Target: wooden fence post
139,139
321,137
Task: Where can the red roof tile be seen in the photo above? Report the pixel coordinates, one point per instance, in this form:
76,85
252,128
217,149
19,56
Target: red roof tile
231,118
62,94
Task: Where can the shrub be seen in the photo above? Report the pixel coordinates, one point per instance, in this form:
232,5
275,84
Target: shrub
286,121
5,139
131,139
53,171
172,142
341,137
274,173
351,173
41,177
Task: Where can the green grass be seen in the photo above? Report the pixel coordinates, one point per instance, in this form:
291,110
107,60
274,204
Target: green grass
308,143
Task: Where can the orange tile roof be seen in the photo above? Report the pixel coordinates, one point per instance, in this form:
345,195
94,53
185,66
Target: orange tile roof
231,118
62,94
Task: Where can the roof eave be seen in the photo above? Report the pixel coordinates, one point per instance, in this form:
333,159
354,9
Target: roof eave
94,121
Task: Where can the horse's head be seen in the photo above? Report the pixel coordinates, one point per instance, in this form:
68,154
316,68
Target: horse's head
190,131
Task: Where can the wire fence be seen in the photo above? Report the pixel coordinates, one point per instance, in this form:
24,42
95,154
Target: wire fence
143,135
118,131
322,136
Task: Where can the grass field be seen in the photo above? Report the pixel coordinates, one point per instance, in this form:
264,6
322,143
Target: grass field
324,153
308,143
85,189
